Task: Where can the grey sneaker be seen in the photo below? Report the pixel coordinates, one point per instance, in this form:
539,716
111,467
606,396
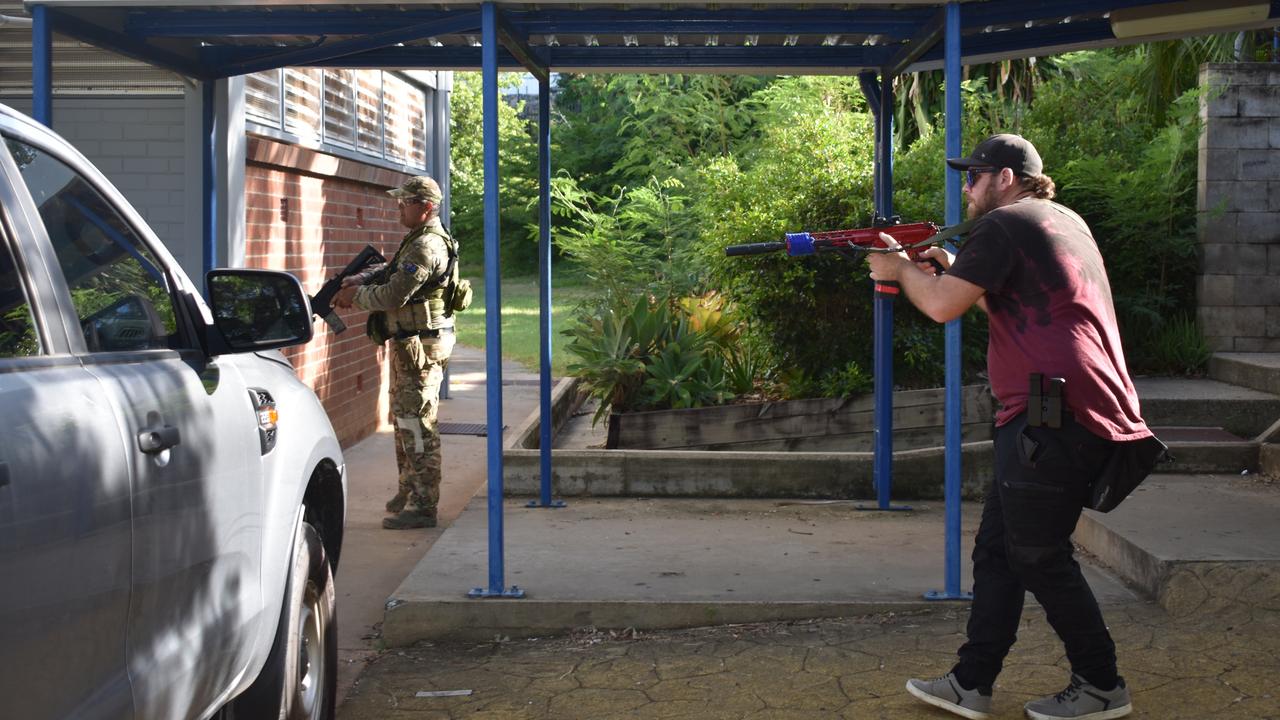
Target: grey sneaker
946,693
1082,701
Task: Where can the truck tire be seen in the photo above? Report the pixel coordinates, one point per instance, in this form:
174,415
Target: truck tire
299,680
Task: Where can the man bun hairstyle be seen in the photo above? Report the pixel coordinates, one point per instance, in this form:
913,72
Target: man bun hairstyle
1041,186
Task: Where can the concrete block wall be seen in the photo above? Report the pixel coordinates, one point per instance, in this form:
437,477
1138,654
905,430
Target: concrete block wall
1238,294
138,143
309,213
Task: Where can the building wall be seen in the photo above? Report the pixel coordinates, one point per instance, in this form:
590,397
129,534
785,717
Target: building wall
138,143
1239,207
309,213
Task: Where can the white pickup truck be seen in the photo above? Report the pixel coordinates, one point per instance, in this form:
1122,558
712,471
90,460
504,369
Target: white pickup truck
172,497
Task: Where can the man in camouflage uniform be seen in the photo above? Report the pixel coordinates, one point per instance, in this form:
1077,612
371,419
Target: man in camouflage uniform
411,293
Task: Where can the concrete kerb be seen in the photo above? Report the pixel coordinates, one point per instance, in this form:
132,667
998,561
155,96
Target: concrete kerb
683,473
485,620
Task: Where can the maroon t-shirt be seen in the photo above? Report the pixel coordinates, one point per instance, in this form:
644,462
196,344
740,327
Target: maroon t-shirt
1050,311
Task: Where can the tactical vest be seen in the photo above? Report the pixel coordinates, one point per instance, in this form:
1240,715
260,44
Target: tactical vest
428,307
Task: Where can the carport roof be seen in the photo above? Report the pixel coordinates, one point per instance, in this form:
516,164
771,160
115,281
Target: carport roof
207,40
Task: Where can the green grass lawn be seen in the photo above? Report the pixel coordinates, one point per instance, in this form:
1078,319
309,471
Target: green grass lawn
520,318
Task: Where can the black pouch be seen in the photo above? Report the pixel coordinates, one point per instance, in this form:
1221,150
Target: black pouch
1131,462
376,327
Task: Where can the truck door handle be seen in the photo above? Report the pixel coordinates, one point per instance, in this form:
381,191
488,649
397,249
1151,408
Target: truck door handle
154,439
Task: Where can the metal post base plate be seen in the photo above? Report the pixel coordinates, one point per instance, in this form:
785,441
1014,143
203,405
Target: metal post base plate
944,595
538,504
513,592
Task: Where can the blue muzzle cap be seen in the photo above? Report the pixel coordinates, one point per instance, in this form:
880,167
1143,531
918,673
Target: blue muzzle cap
800,243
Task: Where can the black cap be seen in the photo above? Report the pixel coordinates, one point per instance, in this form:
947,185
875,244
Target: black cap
1003,151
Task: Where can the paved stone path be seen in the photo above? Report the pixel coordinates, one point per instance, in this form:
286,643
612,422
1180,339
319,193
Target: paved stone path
1221,662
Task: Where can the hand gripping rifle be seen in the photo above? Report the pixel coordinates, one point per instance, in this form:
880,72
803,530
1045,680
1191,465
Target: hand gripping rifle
322,301
914,239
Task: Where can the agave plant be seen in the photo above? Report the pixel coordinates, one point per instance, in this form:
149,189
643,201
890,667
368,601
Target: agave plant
655,353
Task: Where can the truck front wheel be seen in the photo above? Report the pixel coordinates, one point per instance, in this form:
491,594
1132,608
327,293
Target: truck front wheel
299,680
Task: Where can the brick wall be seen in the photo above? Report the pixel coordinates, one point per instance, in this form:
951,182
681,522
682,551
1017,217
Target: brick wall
309,213
1238,293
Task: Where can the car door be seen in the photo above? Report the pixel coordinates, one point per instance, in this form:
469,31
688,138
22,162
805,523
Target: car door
191,437
65,533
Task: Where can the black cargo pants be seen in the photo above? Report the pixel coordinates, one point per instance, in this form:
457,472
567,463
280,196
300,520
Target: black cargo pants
1042,481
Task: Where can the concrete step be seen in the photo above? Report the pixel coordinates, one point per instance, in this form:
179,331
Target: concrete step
1207,450
1179,536
1241,411
1260,371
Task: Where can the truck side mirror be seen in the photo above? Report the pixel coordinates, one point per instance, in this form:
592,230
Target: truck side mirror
257,310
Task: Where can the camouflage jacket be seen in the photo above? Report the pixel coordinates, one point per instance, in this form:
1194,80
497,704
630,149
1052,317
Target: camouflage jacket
410,288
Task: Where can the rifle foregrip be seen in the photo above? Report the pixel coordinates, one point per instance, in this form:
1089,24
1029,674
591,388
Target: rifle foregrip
754,248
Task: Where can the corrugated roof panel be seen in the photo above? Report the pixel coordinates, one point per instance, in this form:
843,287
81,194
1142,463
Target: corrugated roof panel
79,69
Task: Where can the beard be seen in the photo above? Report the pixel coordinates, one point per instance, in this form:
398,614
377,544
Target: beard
980,204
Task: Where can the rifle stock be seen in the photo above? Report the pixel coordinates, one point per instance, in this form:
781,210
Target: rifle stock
322,301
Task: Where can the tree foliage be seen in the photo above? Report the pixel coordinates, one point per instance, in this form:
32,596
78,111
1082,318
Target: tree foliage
517,172
657,174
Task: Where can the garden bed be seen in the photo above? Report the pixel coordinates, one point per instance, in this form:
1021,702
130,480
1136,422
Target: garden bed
828,474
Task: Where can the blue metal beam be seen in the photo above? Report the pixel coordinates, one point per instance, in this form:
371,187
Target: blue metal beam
871,91
929,36
493,305
882,310
327,52
1003,12
953,407
209,175
41,65
291,23
546,416
892,24
96,35
517,43
1029,40
844,58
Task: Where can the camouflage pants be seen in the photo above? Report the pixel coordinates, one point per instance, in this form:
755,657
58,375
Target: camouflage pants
417,370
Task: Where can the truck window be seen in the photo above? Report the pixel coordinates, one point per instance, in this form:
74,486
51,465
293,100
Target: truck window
17,330
120,292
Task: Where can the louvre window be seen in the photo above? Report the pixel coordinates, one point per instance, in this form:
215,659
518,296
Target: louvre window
369,109
406,121
340,107
262,97
368,112
302,103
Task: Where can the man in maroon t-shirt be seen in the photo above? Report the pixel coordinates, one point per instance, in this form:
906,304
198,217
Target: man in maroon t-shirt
1034,267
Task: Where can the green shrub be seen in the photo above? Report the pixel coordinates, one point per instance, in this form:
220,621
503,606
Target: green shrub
651,354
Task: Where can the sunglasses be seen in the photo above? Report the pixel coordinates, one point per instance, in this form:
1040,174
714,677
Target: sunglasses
415,201
971,175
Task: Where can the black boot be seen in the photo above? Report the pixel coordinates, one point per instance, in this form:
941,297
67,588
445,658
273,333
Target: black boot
410,519
396,504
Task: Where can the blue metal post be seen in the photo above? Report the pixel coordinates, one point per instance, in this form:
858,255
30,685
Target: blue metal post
545,424
951,482
883,308
493,303
41,65
209,174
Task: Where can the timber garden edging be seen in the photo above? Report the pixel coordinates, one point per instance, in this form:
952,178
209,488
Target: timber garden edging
918,473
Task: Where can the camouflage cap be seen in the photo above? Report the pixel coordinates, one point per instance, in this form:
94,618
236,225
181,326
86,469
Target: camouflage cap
420,186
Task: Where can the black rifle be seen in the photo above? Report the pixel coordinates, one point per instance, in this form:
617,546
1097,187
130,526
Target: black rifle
321,302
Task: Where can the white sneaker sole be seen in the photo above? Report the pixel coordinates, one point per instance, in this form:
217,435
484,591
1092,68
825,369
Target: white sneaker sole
947,705
1111,714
